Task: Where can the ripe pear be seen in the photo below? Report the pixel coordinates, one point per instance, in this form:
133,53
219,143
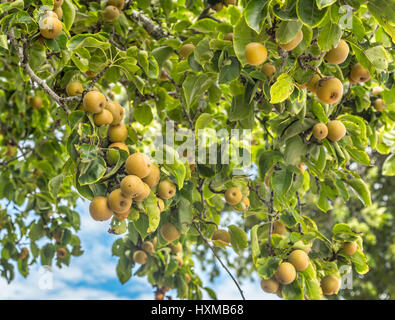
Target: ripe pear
119,146
329,90
117,3
221,235
336,130
90,74
57,3
269,285
59,13
320,131
144,194
111,13
153,177
243,205
299,259
11,150
23,254
148,247
117,111
218,6
359,73
255,53
186,50
268,69
140,257
379,104
36,102
285,273
161,205
50,27
117,202
61,253
313,82
118,133
99,209
349,248
50,13
138,164
176,248
74,88
230,2
169,232
229,36
233,196
94,102
338,54
166,189
330,285
279,227
293,43
102,118
132,186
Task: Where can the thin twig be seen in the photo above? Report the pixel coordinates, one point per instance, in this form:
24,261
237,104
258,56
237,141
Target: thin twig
219,259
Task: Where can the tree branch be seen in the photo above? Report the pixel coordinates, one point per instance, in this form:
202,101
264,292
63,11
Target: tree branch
219,259
152,28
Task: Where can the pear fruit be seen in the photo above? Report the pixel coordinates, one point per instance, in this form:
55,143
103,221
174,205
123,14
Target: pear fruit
144,194
59,13
299,259
269,285
118,133
186,50
118,203
293,43
176,248
313,82
118,112
153,177
338,54
140,257
102,118
233,196
36,102
74,88
111,13
243,205
119,146
166,189
268,69
57,3
285,273
94,102
336,130
320,131
279,227
349,248
359,73
330,285
221,235
169,232
117,3
50,27
61,253
132,186
229,36
255,53
148,247
99,209
379,105
138,164
329,90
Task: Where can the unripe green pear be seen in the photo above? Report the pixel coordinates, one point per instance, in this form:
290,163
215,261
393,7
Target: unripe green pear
349,248
299,259
131,186
94,102
233,196
138,164
221,235
169,232
166,189
285,273
269,285
99,209
111,13
118,133
330,285
329,90
336,130
293,43
279,227
74,88
186,50
320,131
338,54
140,257
255,53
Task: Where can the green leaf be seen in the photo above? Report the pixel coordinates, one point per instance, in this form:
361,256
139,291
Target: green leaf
282,181
54,185
309,13
230,71
288,31
360,262
282,88
124,272
203,121
243,35
267,267
325,3
194,86
389,166
151,205
267,161
143,114
256,13
329,36
239,238
361,189
294,290
92,172
68,14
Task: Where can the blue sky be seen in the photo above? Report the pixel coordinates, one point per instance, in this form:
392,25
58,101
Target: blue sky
92,275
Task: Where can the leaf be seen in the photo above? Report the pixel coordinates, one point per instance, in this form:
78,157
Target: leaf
238,238
282,88
194,86
294,290
379,57
267,267
361,189
256,13
267,161
92,172
360,262
151,205
173,164
239,109
255,243
325,3
329,36
124,272
389,166
243,35
282,181
288,31
68,14
295,148
143,114
54,185
203,121
309,13
230,71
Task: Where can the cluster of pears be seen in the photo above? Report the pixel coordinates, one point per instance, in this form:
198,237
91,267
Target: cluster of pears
136,186
113,9
334,130
50,25
235,198
298,260
147,247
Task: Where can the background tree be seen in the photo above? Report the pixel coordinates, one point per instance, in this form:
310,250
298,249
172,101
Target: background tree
85,85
